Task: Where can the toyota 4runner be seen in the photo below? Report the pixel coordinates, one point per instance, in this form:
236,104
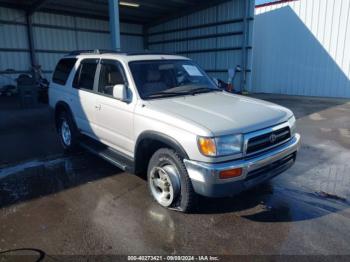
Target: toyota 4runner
163,115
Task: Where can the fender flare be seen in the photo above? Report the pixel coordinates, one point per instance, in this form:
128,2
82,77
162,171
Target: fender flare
66,107
165,139
63,104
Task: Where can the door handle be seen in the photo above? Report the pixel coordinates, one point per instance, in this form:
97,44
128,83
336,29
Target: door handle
98,107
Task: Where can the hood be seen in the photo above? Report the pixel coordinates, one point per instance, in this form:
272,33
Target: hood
223,113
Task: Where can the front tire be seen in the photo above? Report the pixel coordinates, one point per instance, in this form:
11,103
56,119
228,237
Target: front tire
67,132
168,181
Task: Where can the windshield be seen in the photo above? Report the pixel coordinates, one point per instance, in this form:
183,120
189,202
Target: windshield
165,78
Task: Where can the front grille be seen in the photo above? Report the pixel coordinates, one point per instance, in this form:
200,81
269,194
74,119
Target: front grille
262,142
276,167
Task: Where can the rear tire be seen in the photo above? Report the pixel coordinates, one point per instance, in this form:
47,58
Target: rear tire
67,131
168,181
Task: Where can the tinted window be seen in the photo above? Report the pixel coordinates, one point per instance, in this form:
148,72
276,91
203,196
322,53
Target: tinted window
111,74
62,70
85,76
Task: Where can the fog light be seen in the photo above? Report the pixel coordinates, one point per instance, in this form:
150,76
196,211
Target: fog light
230,173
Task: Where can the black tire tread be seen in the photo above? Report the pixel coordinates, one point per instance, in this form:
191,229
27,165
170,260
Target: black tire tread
74,131
188,198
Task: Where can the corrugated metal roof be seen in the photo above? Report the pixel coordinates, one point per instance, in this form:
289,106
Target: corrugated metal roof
148,10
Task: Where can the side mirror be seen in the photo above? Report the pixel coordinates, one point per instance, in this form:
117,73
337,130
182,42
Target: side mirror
120,92
221,84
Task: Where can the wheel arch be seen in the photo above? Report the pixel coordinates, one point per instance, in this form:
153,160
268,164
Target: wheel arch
62,106
148,143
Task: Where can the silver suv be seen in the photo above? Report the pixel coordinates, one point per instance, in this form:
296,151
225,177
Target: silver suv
163,115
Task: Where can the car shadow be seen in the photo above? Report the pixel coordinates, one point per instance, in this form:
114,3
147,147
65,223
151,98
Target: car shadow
310,105
310,189
271,202
275,201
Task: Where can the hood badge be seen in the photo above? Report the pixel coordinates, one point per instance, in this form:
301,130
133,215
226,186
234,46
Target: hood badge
273,138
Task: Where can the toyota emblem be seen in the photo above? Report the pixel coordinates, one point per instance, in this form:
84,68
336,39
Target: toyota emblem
273,138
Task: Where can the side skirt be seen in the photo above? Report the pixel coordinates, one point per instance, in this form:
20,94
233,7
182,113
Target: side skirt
113,156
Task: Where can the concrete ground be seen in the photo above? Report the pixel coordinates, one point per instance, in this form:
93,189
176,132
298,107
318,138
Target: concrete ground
80,204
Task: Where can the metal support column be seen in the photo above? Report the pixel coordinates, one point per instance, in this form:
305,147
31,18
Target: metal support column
145,37
114,27
33,60
245,44
29,13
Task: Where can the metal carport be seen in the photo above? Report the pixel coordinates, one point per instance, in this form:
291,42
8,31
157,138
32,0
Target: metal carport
215,33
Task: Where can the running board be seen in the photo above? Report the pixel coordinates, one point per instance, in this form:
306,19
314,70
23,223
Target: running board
111,155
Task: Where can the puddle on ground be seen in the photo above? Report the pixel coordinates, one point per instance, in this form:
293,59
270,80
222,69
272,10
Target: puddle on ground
37,178
288,198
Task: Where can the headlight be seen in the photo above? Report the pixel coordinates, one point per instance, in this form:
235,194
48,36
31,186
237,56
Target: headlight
292,125
220,146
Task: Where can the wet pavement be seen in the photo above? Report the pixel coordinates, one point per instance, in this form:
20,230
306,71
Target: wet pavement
80,204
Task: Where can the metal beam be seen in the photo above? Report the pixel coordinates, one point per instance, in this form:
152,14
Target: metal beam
209,50
29,12
145,37
36,6
33,60
148,4
14,5
225,22
246,7
71,7
130,20
207,36
187,11
114,26
79,29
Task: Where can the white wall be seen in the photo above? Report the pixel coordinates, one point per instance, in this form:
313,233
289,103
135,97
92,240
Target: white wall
303,48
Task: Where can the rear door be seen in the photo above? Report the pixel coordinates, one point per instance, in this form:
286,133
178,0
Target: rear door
84,83
114,118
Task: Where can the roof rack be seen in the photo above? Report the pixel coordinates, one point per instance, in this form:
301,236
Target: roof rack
147,52
99,51
95,51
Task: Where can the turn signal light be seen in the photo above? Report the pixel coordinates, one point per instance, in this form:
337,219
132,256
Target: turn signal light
207,146
231,173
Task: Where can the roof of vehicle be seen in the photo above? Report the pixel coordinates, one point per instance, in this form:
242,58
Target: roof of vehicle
126,56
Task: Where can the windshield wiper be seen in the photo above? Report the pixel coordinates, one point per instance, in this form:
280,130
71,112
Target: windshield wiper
165,94
203,90
187,92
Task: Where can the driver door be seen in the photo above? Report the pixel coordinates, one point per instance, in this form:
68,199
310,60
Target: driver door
113,118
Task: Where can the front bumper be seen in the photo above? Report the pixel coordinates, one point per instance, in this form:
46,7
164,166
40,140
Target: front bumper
205,176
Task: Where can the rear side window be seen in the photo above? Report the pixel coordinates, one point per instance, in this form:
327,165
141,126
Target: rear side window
85,76
62,70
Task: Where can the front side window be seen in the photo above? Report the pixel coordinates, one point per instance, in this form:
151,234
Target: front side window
62,70
165,78
85,75
111,74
